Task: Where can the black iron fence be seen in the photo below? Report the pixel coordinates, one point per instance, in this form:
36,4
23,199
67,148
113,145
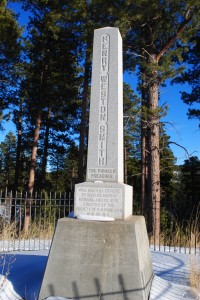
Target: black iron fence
45,209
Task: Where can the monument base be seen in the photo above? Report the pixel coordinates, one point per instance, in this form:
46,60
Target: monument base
99,260
107,199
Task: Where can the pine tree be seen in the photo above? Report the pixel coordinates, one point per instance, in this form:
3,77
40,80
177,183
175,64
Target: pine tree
132,142
167,168
153,34
10,47
191,182
51,83
50,87
8,160
64,169
192,77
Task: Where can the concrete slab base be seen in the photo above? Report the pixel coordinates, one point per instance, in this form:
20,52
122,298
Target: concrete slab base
99,260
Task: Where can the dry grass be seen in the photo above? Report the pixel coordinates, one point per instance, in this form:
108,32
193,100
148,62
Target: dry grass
186,235
44,231
6,262
178,238
182,235
35,231
195,273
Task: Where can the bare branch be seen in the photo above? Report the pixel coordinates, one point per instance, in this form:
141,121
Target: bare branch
180,147
136,54
148,53
172,126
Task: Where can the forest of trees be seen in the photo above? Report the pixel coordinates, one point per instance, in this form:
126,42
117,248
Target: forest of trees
45,77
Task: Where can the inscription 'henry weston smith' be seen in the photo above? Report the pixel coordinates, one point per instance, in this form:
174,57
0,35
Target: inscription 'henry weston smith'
103,103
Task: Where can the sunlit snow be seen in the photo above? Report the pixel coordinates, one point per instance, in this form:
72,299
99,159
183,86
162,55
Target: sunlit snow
26,269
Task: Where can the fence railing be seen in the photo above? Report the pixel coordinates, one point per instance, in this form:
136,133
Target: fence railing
46,208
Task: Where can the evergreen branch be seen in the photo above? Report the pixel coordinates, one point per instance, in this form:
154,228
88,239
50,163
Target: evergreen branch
176,35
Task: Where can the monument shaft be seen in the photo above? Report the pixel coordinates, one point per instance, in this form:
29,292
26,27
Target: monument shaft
104,193
105,145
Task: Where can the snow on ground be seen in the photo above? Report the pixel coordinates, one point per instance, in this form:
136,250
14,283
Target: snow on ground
40,244
26,269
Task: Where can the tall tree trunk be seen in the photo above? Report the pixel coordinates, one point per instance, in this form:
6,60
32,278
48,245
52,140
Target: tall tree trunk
154,157
32,171
125,165
152,61
46,147
144,168
81,155
18,154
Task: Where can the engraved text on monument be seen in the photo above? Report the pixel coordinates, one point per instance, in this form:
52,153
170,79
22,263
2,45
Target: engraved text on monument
103,103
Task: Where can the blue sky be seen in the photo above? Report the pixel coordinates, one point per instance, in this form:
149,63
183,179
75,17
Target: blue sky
185,132
182,131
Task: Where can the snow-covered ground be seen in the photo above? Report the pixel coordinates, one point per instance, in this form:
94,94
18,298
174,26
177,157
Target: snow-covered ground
26,269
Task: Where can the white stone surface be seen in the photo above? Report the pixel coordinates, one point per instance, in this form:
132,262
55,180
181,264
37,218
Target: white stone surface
99,260
95,218
103,199
105,145
104,194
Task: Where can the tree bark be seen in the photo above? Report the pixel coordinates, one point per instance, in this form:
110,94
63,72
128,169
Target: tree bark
18,154
81,156
32,172
46,147
153,132
153,157
144,168
125,165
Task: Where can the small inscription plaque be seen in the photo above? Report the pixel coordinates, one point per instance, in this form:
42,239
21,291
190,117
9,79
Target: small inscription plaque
102,174
99,201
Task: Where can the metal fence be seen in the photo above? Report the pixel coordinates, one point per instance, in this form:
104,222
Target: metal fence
46,208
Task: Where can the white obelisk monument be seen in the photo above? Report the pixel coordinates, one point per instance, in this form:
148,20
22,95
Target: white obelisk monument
91,259
104,192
